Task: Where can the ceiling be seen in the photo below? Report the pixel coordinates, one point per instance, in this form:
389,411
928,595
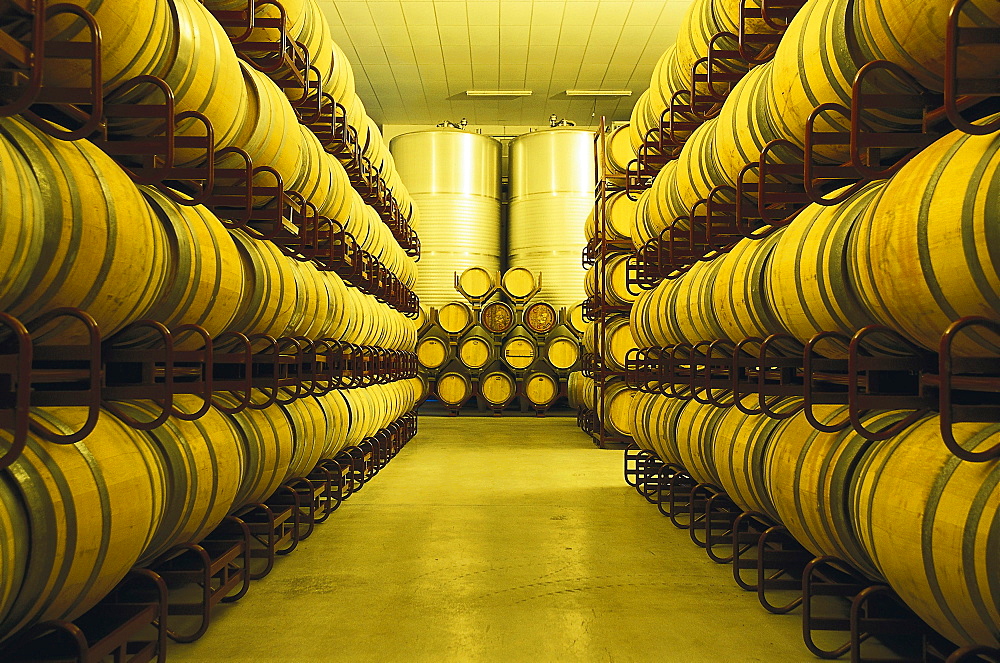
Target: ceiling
414,60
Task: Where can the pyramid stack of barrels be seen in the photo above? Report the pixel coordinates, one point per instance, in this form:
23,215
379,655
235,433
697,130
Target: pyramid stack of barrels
76,231
500,345
914,252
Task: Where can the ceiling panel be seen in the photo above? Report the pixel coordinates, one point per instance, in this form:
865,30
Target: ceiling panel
414,60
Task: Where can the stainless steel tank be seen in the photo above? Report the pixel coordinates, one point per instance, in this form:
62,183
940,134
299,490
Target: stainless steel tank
454,179
551,193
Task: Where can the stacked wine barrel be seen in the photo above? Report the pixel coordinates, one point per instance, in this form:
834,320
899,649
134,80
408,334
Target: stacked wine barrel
600,395
914,252
75,231
505,345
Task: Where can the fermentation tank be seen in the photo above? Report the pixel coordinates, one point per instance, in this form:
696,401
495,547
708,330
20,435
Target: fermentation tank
551,193
454,179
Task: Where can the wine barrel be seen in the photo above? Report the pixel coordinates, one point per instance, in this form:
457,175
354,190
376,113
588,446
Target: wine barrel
574,319
96,244
455,317
296,12
202,463
205,282
497,317
205,76
617,342
688,313
614,287
432,352
616,407
541,388
618,153
475,350
270,135
310,430
653,424
314,308
804,76
697,28
339,407
317,181
588,392
497,388
620,210
575,386
640,122
662,207
562,352
647,327
929,520
79,514
744,127
741,444
518,282
698,171
697,429
640,230
21,236
136,39
912,34
270,296
477,282
807,280
809,476
453,388
540,317
268,447
13,547
739,300
518,350
933,252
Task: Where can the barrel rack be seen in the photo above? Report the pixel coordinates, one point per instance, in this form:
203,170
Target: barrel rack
134,622
771,192
767,560
686,112
73,113
244,547
598,309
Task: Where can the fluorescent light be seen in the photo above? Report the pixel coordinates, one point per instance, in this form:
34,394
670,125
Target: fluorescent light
598,93
498,93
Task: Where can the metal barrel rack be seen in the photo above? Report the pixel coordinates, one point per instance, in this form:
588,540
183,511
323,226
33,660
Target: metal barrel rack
843,612
771,192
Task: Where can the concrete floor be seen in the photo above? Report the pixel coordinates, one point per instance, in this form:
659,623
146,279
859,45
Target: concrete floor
498,540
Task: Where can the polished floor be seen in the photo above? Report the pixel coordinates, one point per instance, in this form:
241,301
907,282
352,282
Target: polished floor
498,540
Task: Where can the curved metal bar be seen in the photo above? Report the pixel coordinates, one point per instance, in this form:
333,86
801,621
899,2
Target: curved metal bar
808,355
94,389
853,394
167,404
945,371
22,388
208,377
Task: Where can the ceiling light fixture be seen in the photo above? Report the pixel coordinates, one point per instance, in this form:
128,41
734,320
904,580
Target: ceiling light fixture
498,93
598,93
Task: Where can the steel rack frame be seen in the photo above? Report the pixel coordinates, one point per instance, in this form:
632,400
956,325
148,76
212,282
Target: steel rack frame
95,374
152,159
866,377
288,63
717,72
118,627
834,597
597,308
772,191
